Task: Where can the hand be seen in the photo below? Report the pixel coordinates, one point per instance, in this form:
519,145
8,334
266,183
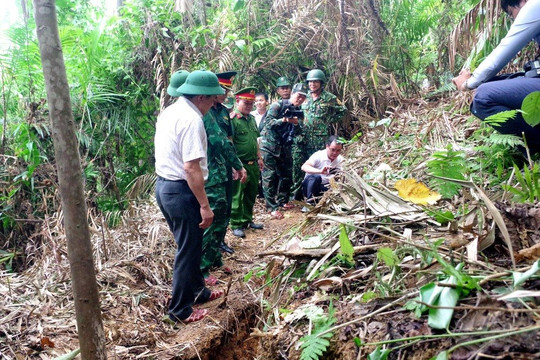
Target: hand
293,120
261,164
325,170
207,216
461,80
236,174
243,175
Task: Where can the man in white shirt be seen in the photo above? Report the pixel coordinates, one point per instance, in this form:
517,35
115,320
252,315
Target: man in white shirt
320,167
496,94
181,168
261,105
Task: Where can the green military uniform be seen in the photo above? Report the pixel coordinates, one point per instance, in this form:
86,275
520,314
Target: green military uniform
276,146
221,158
319,114
245,134
224,121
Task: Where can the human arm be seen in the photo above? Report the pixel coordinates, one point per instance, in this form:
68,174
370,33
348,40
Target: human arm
195,180
309,167
525,27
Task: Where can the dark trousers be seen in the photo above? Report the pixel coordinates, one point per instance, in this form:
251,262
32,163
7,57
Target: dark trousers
182,212
277,179
507,94
313,188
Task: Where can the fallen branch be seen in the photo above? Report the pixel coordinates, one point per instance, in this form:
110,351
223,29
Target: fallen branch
316,253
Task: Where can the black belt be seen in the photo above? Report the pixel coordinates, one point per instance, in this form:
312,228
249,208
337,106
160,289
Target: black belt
163,179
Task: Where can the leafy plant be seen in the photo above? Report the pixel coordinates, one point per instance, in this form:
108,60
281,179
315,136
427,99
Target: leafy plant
529,184
448,164
316,343
440,299
531,108
6,258
345,244
379,354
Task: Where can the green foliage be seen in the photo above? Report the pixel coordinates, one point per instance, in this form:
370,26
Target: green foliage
6,259
506,140
531,108
520,278
496,120
315,344
457,284
529,184
345,244
387,256
443,216
379,354
449,164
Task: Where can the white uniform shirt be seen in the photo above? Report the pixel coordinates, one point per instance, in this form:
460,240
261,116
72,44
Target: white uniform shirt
180,137
320,159
525,28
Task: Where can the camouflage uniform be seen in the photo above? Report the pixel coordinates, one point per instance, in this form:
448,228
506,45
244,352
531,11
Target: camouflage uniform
245,134
319,115
221,158
224,121
276,151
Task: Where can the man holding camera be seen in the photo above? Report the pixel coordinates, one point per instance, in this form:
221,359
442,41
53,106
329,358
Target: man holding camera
322,109
495,94
320,167
277,138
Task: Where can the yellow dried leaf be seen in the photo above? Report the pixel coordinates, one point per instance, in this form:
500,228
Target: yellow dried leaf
416,192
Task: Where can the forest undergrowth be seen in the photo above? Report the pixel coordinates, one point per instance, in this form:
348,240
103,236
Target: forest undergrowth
364,275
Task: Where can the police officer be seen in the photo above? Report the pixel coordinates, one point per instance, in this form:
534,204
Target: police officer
276,144
245,134
321,110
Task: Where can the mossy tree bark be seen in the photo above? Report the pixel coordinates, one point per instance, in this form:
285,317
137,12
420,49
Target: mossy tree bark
85,291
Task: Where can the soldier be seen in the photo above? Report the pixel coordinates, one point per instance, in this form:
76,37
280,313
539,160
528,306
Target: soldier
245,135
221,114
277,139
221,157
177,79
283,87
322,109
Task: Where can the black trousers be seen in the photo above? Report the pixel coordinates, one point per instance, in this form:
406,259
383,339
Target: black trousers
182,212
313,188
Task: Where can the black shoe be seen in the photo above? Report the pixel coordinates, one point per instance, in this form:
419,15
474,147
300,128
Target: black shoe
226,248
239,233
255,226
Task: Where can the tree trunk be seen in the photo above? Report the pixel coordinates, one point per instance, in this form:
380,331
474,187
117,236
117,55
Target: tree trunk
85,291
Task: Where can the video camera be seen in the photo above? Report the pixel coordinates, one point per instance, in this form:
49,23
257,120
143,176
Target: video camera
291,112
